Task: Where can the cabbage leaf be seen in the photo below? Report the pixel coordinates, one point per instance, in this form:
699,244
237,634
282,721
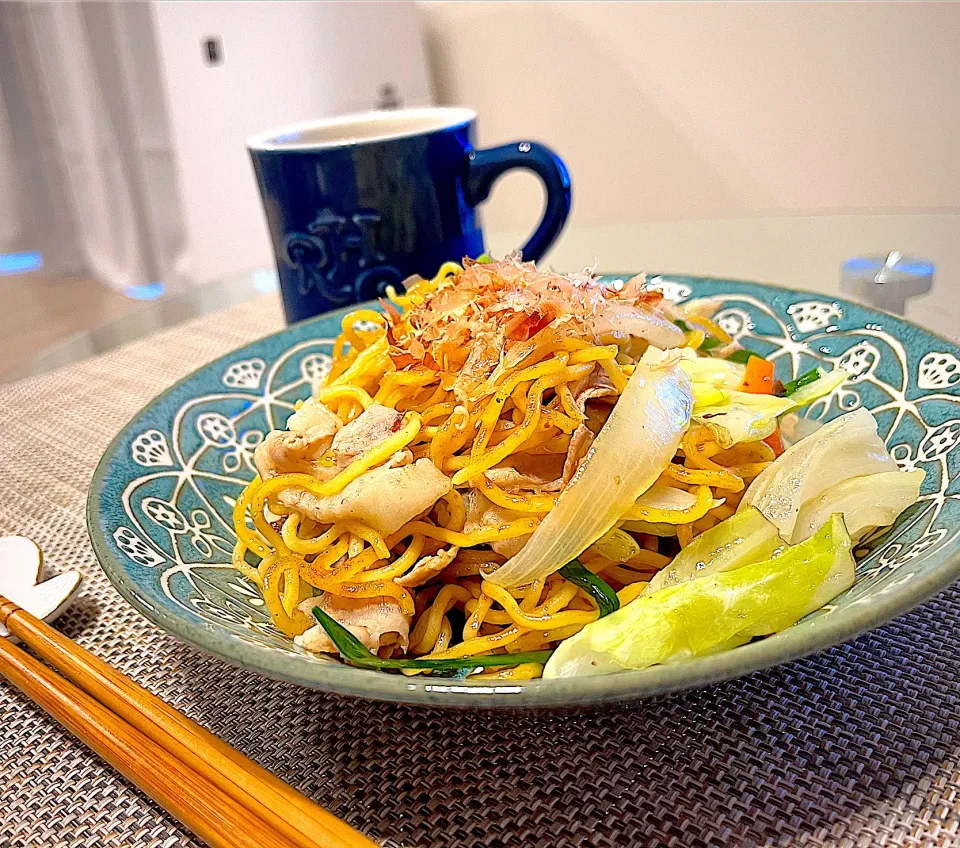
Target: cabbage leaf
743,538
846,447
714,613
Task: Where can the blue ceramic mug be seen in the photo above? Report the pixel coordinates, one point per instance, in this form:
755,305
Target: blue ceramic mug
358,203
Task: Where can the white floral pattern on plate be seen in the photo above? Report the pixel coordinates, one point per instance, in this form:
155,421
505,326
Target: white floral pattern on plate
170,485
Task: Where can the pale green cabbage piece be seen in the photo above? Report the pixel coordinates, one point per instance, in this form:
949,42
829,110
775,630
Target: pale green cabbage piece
846,447
714,613
743,538
705,371
734,416
866,502
822,386
740,416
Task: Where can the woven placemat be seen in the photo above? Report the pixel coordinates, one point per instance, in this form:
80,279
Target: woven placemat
858,746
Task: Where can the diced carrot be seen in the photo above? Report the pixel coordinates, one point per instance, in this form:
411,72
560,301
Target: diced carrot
774,441
758,379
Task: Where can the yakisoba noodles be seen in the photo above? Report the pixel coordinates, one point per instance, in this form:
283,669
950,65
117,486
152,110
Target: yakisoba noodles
404,501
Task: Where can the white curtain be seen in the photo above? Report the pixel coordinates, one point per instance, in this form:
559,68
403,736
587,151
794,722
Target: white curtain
87,172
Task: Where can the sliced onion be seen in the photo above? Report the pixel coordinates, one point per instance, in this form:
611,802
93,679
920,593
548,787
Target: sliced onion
621,320
667,498
866,503
639,438
703,502
663,499
616,546
846,447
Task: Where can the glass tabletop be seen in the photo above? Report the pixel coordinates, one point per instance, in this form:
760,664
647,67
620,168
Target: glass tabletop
799,252
150,317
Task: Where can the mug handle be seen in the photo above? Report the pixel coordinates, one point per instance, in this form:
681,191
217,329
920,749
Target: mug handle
485,166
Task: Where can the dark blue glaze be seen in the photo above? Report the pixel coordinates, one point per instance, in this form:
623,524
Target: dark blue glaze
347,221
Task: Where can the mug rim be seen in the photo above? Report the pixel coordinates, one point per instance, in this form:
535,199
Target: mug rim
269,141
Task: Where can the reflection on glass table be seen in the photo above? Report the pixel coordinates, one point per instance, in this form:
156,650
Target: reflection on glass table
152,316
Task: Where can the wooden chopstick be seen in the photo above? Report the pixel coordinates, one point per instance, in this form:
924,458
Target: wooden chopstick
115,716
213,816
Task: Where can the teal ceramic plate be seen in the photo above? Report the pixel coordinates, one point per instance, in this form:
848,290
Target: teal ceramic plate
159,508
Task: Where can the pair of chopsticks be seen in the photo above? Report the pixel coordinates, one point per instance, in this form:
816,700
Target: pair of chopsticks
227,800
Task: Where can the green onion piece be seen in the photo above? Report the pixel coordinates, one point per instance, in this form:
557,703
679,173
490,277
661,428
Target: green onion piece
805,379
600,591
453,673
742,356
683,325
356,654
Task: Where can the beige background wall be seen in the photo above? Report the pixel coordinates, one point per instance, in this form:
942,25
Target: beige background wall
283,62
668,110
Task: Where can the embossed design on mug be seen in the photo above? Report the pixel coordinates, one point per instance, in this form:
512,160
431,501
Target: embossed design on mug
339,257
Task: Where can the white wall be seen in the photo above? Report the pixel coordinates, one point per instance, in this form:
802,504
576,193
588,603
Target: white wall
667,111
11,237
283,62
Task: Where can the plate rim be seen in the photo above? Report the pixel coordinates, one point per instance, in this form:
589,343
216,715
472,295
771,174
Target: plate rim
627,686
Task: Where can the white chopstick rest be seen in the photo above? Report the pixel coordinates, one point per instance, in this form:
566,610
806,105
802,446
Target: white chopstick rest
21,573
